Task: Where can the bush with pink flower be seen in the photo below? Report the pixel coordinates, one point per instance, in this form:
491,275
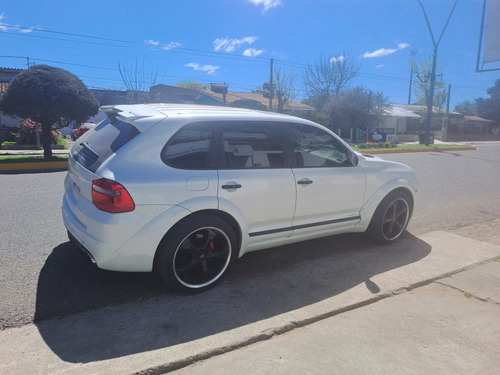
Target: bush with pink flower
25,133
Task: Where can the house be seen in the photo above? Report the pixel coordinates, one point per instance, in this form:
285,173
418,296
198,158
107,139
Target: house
233,98
6,77
219,95
478,125
416,126
399,119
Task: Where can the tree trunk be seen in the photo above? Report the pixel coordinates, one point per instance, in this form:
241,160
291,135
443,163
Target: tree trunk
46,143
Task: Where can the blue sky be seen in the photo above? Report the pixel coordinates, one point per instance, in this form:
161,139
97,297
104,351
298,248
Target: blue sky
232,41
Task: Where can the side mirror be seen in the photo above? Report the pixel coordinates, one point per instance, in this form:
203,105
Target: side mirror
357,159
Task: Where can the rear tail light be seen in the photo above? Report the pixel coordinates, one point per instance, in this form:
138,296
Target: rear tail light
110,196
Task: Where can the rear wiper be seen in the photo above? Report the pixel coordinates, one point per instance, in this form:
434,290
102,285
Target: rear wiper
87,146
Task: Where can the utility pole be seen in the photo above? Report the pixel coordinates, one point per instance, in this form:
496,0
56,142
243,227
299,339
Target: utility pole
412,66
271,89
430,98
446,122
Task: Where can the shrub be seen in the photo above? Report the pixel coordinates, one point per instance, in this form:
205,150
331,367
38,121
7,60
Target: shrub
25,133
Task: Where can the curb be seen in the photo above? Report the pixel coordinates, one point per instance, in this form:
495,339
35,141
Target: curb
34,166
396,151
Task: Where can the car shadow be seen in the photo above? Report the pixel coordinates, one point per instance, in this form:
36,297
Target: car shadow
259,286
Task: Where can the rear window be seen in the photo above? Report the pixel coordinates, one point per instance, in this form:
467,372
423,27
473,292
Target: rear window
109,136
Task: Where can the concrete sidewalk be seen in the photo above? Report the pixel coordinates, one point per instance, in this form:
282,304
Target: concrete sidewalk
438,313
450,326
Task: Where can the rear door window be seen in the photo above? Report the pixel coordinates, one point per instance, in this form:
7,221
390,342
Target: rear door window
108,137
252,145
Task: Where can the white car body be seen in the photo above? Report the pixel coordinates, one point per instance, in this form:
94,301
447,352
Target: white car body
267,206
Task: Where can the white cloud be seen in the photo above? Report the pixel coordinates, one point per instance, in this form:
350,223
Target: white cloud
229,45
335,59
252,52
209,69
3,27
385,51
266,4
380,66
165,47
170,45
25,31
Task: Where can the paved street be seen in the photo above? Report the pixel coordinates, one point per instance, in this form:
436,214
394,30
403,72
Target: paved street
42,277
131,322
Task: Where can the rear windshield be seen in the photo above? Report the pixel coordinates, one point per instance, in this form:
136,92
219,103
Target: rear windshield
108,137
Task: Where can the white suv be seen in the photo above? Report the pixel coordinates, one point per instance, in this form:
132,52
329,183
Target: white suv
184,190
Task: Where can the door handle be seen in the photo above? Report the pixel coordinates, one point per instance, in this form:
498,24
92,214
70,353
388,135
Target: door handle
231,186
305,181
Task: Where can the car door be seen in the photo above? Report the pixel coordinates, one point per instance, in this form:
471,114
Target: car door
254,179
330,189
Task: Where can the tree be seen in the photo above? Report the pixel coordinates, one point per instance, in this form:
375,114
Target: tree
422,83
357,108
467,108
489,108
138,81
284,86
46,94
329,76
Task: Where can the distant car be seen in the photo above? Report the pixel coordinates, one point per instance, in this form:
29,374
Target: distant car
78,132
184,190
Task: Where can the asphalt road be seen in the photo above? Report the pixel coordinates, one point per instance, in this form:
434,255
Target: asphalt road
41,276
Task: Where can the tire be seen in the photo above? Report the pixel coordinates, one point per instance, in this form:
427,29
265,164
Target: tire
195,255
390,218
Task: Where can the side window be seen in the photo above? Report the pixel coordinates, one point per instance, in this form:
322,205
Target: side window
314,148
190,147
249,145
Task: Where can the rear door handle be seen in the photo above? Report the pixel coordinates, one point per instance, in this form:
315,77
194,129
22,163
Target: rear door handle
231,186
305,181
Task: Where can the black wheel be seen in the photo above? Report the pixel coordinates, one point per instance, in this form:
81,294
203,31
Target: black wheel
195,255
390,218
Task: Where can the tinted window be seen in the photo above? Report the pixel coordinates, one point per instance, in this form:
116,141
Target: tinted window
190,147
314,147
252,145
109,136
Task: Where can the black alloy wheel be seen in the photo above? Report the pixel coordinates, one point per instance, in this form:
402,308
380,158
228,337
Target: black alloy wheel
196,255
390,218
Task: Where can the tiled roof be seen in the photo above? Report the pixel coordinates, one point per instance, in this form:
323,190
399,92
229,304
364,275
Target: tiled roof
422,109
394,111
476,118
232,96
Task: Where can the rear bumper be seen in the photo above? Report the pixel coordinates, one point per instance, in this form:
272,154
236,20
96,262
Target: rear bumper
75,243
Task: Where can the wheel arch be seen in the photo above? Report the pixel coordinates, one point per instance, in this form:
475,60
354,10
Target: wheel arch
374,201
230,220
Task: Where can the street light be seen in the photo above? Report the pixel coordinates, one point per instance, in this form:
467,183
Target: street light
430,98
